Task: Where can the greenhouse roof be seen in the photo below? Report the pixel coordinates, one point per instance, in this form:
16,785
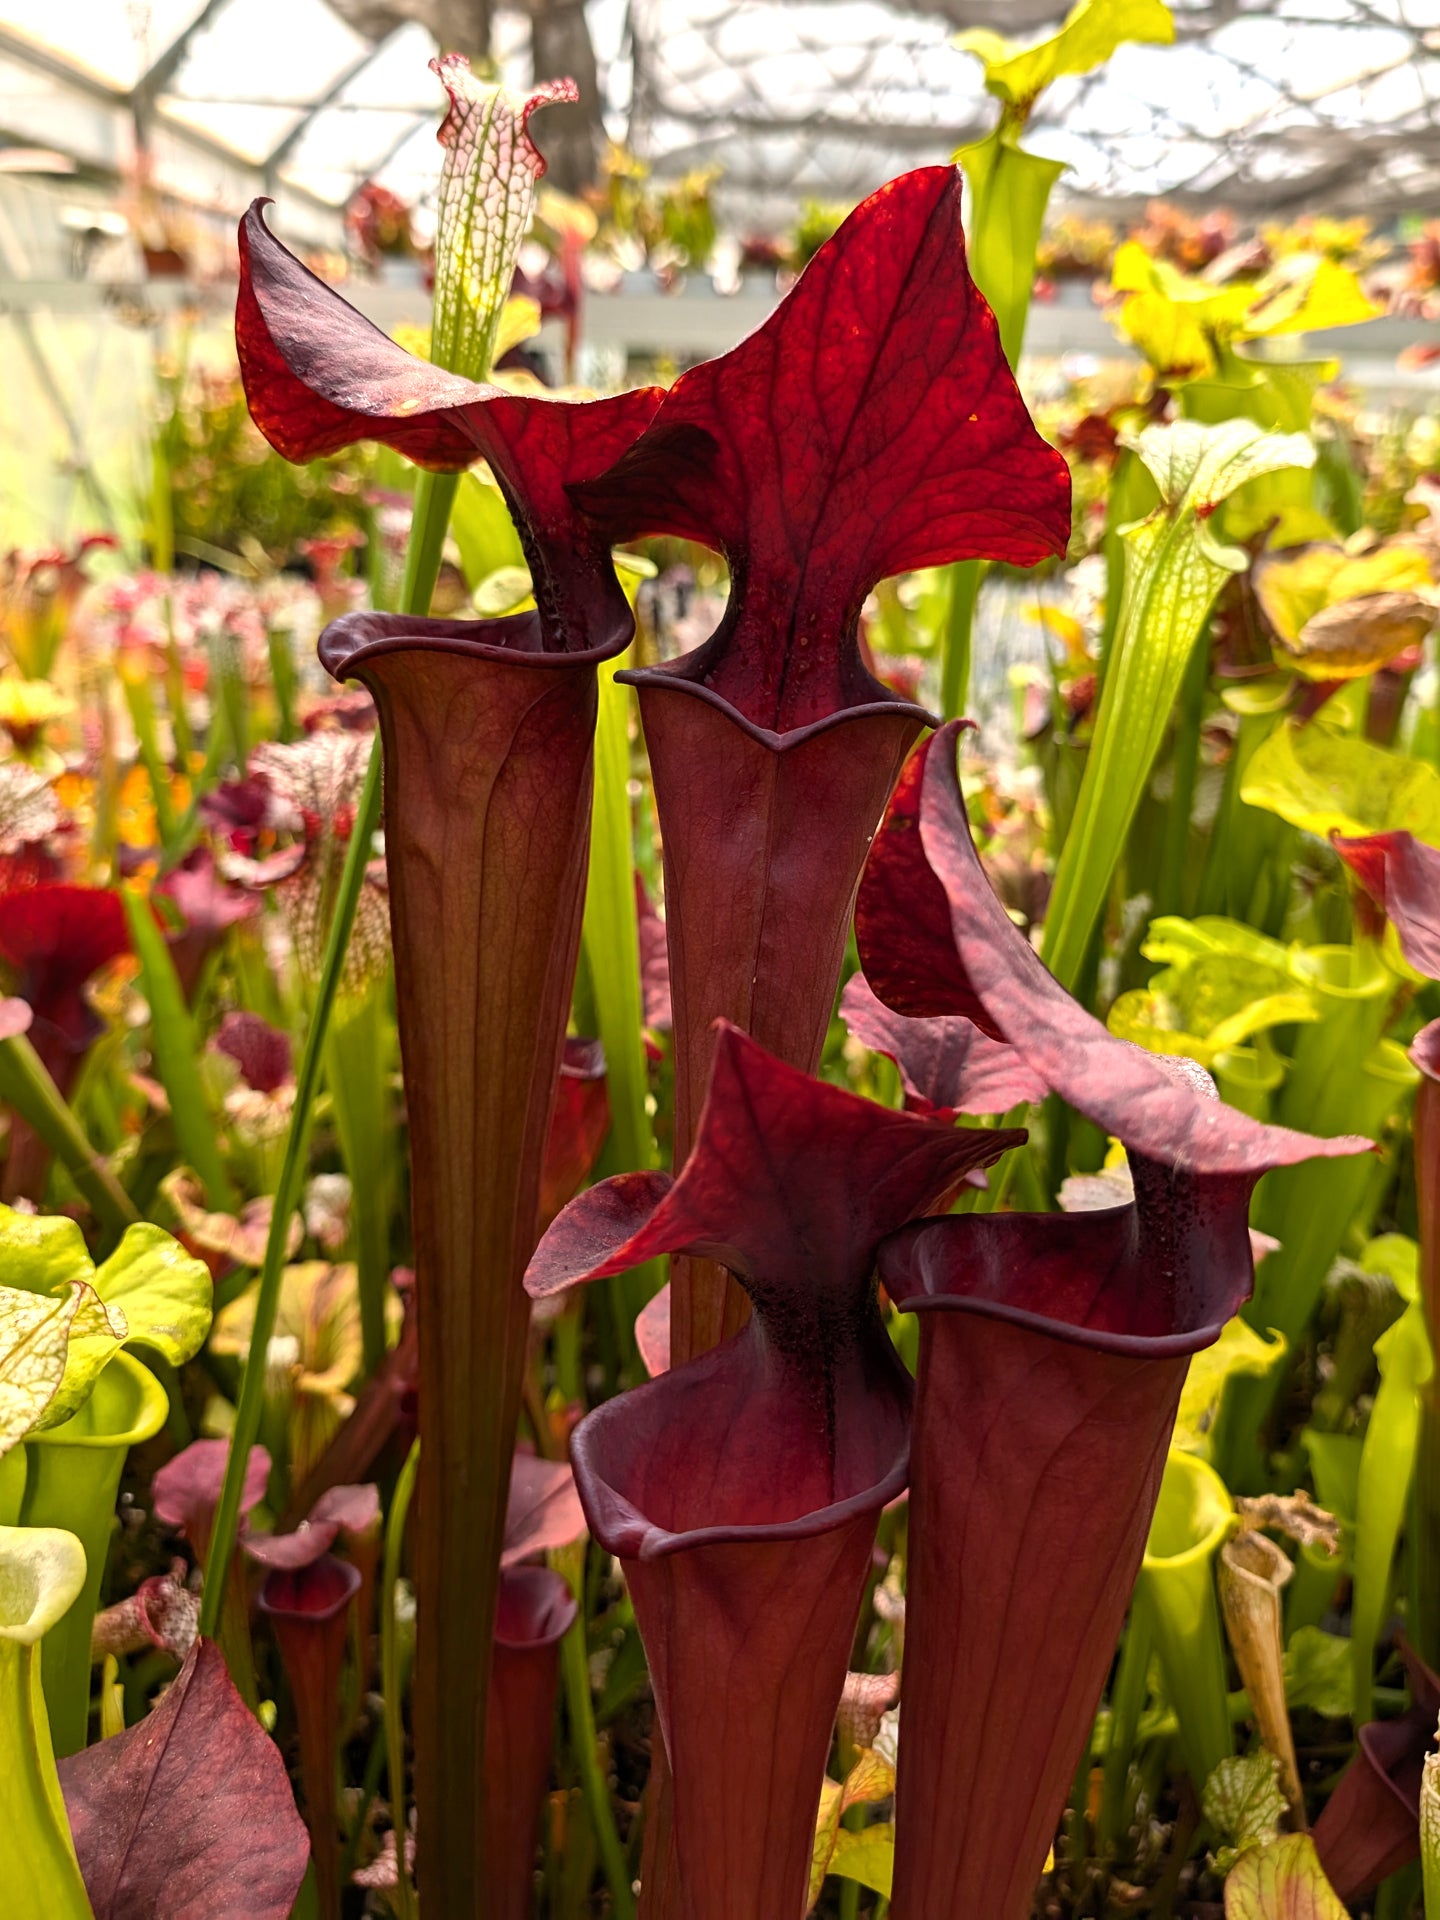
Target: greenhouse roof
1267,105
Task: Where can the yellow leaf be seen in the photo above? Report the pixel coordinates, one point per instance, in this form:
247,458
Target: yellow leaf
1183,323
871,1778
519,321
827,1825
1092,30
1293,585
1354,637
867,1856
1325,782
1305,292
1283,1881
1386,594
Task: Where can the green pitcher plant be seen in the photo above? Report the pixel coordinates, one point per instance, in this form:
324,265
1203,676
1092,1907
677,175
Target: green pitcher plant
76,1401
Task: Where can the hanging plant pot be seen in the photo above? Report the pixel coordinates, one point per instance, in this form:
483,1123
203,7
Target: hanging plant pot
72,1478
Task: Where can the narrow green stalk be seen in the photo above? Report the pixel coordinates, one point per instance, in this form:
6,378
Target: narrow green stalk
174,849
228,679
250,1410
175,690
162,505
390,1676
280,647
433,495
579,1706
358,1060
1387,1466
965,578
611,945
142,717
1171,893
1245,841
177,1053
26,1086
1127,1703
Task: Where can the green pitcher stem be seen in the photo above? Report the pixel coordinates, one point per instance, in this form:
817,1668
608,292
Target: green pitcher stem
390,1680
575,1669
1171,894
72,1482
965,579
357,1069
42,1875
1127,1703
1340,1081
611,947
1176,1592
434,493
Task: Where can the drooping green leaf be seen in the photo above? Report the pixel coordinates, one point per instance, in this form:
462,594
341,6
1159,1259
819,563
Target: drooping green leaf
1317,1672
1243,1800
1396,1256
1387,1465
1284,1881
1091,32
1177,942
1326,781
1174,567
1204,1011
177,1054
1239,1350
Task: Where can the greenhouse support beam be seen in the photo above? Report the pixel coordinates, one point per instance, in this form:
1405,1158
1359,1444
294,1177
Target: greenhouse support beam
280,153
162,70
39,59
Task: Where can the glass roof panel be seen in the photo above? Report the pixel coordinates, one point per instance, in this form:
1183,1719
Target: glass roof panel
116,40
1268,103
